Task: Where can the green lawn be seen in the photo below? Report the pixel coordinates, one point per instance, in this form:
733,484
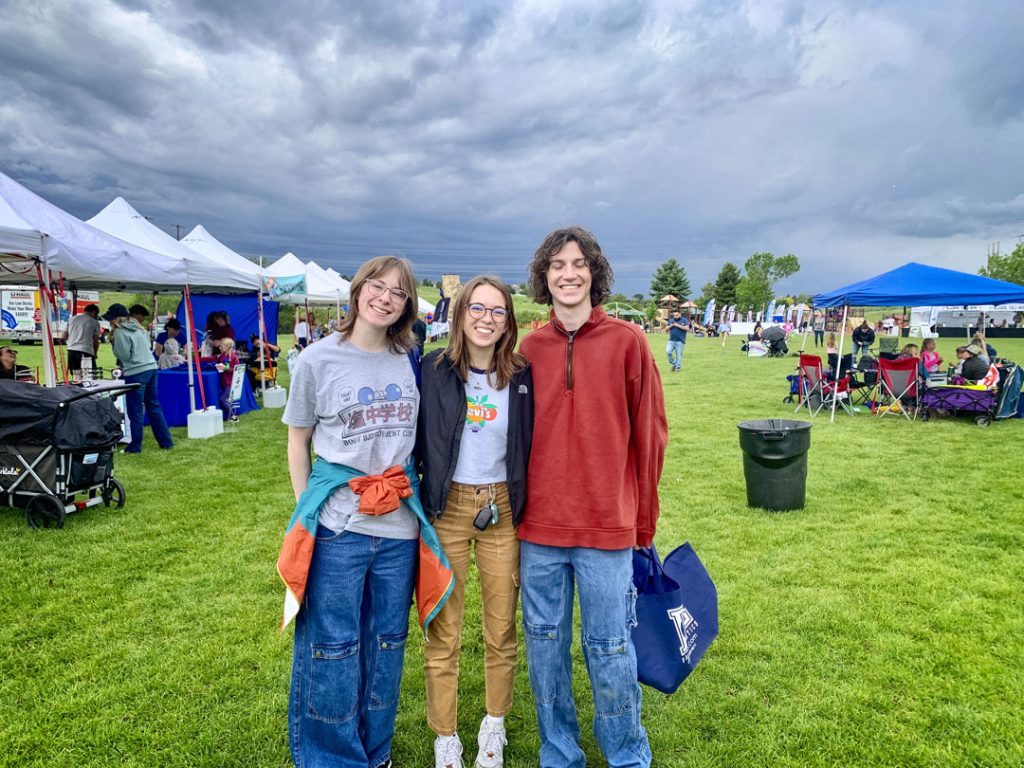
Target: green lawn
882,625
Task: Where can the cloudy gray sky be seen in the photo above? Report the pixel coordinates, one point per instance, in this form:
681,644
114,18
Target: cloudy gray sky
857,135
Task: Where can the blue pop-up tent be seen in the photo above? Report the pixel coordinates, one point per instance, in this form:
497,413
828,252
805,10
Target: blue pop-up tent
242,308
919,285
916,284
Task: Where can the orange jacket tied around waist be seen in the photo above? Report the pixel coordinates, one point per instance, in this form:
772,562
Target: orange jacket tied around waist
378,495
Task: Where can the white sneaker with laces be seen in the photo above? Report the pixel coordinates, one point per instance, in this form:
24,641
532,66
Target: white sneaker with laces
448,752
491,741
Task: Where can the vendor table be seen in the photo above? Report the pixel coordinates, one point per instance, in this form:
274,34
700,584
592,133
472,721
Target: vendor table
172,385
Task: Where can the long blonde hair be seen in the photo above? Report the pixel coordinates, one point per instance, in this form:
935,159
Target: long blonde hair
399,332
506,360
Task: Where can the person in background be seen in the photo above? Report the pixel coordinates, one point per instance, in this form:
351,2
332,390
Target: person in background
863,338
473,444
170,356
354,401
971,366
218,327
131,346
592,496
225,363
988,352
908,351
9,368
172,330
316,331
265,353
724,329
677,328
419,330
931,360
818,326
84,339
830,345
301,330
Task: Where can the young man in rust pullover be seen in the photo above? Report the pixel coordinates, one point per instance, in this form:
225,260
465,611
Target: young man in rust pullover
592,496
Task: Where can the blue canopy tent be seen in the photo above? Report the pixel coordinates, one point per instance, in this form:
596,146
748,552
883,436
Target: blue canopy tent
916,284
242,308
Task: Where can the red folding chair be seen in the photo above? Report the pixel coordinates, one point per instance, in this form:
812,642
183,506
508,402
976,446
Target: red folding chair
817,393
897,390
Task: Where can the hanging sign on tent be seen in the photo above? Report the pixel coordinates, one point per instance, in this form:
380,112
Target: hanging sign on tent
276,287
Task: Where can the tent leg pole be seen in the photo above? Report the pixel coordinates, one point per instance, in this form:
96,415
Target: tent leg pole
839,361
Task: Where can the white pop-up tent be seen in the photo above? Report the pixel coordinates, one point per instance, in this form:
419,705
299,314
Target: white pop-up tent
122,220
317,291
201,241
43,234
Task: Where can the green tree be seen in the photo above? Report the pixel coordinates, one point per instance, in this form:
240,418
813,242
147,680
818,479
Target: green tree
1009,267
670,277
707,293
724,289
638,298
763,271
426,282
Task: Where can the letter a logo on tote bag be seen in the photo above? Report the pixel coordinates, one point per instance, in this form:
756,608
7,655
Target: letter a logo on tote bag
676,613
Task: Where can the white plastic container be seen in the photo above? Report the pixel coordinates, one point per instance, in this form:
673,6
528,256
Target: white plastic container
275,397
208,423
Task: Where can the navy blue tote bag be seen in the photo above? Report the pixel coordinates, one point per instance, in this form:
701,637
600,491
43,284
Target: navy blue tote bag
676,614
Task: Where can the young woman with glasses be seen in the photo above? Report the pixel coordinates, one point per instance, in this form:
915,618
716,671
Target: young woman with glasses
354,401
473,444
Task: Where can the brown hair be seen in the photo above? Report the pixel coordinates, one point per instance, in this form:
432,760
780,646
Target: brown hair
601,275
506,360
399,332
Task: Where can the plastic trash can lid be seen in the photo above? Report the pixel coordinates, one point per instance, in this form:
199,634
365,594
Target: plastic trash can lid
774,425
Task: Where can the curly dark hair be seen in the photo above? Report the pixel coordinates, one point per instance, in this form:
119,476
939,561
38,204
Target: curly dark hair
601,275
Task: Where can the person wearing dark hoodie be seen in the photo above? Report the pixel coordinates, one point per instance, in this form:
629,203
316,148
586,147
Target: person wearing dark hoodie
132,348
591,497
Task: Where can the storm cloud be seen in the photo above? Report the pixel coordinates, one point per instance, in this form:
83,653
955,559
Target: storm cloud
858,135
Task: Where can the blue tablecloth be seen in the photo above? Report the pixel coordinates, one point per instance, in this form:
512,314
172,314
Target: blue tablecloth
172,385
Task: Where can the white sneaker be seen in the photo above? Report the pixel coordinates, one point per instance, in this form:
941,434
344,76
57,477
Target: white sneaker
448,752
491,740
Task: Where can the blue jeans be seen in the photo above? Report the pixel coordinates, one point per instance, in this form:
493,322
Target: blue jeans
674,351
608,614
859,349
145,399
819,338
349,650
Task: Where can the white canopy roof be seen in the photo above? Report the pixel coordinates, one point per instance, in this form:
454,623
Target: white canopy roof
201,241
123,221
317,291
324,278
33,227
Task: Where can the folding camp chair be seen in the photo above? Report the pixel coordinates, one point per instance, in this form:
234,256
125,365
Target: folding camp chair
888,345
897,390
817,393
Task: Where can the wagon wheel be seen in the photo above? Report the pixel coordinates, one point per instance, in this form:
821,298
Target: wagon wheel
982,421
114,491
924,415
788,399
44,511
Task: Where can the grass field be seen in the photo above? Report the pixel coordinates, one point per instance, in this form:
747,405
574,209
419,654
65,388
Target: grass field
883,625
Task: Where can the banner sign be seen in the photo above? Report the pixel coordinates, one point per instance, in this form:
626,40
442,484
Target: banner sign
276,287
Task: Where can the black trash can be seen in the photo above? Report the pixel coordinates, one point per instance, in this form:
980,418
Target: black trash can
775,462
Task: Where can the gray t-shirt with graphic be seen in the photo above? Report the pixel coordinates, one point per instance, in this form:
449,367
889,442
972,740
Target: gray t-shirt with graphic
363,408
485,436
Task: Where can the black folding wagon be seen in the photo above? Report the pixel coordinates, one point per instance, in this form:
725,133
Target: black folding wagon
57,449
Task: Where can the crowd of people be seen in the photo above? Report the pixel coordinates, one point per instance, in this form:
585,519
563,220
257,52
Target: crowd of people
467,431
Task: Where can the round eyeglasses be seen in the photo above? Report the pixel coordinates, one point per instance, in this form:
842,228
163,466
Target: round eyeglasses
498,314
376,288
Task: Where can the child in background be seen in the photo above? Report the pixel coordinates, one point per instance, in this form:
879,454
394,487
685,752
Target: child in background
908,351
830,345
931,360
226,362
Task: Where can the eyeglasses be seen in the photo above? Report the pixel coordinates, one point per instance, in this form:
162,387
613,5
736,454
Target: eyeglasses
498,314
377,288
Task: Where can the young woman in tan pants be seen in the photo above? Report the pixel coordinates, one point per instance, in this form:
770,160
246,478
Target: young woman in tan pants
473,443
